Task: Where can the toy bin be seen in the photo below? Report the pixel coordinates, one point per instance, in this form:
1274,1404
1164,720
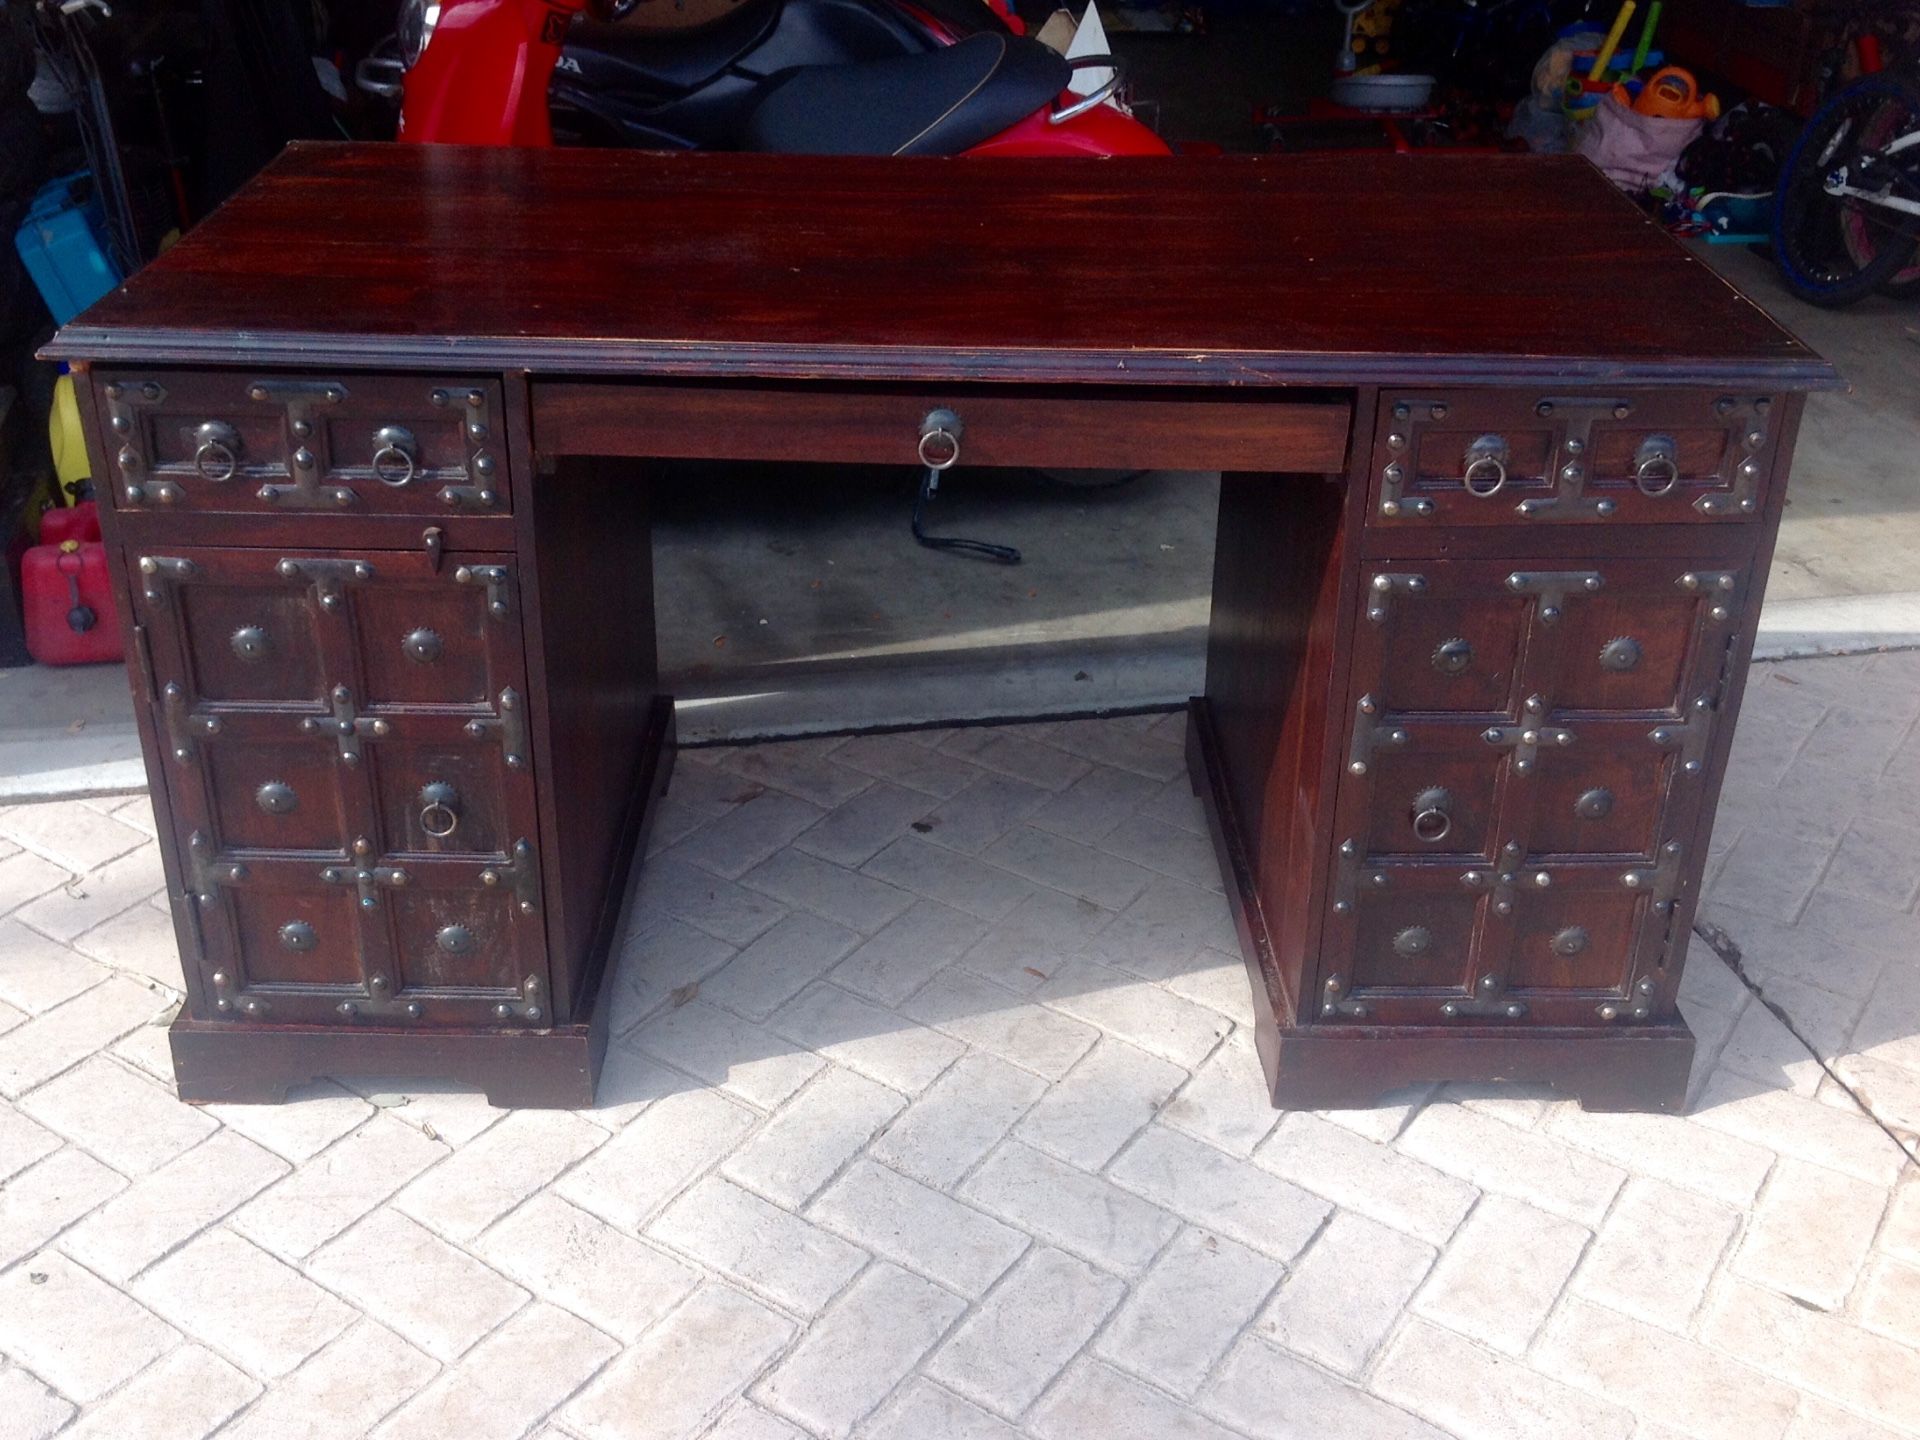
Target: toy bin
60,244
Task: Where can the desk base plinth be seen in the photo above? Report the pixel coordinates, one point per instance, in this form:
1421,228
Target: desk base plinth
536,1069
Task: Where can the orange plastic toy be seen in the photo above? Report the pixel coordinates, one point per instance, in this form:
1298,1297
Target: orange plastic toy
1671,94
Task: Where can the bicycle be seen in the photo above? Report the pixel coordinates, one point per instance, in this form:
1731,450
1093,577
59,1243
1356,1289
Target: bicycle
1846,216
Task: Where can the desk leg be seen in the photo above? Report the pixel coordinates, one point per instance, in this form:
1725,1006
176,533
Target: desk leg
1257,743
603,734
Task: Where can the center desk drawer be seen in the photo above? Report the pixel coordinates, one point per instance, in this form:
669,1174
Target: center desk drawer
225,442
1119,428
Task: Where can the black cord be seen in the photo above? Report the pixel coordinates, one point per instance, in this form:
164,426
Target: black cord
930,483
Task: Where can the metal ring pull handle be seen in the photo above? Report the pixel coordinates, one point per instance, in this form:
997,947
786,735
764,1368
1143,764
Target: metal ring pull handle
439,809
1486,459
395,456
1657,469
940,440
1098,97
218,455
1432,815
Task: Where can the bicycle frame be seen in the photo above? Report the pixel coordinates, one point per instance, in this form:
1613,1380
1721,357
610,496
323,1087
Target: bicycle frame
1838,185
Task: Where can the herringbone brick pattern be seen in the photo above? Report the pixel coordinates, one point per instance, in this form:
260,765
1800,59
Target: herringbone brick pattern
933,1113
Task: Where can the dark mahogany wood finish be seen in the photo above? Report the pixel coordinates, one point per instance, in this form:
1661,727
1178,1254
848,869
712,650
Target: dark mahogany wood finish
1483,599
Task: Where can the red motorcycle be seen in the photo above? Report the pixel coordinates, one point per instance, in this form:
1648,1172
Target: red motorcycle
845,77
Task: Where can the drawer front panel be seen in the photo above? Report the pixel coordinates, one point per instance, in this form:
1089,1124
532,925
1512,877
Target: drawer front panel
358,842
1519,864
1636,457
876,426
239,443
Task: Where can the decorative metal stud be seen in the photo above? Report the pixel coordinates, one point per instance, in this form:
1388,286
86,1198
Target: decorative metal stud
367,878
1385,587
499,582
183,726
250,643
347,726
1334,1001
1570,941
1622,653
1528,737
1368,736
1594,804
454,939
297,935
422,646
510,725
1453,656
1641,1005
1412,941
521,873
1689,737
161,572
329,578
1552,587
276,797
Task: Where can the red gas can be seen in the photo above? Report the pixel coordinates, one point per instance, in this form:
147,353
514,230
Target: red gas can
76,522
69,603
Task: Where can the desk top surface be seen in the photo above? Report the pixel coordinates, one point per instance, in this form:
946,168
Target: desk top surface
1321,269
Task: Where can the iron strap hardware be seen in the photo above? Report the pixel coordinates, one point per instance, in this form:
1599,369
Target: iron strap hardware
1661,880
1690,736
1527,738
1570,500
1385,587
529,1007
1722,585
1489,1000
1348,875
1637,1006
122,398
367,879
1552,587
1334,1001
1738,499
1367,736
183,726
477,431
306,492
345,724
520,874
208,874
1506,878
1394,476
160,572
380,1002
208,871
329,578
511,726
499,582
297,398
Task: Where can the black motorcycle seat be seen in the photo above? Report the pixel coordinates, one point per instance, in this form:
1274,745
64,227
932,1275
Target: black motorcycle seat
678,59
939,103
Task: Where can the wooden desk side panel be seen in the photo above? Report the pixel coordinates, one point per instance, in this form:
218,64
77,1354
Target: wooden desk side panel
586,548
153,750
1281,578
1728,715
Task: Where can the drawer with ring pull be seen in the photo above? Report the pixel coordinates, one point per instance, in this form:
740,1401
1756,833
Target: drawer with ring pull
342,444
1634,457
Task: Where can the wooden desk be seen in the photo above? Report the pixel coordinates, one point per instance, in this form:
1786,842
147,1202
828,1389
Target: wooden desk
1502,471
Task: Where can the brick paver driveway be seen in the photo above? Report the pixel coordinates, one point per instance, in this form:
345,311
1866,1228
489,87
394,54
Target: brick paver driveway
933,1114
